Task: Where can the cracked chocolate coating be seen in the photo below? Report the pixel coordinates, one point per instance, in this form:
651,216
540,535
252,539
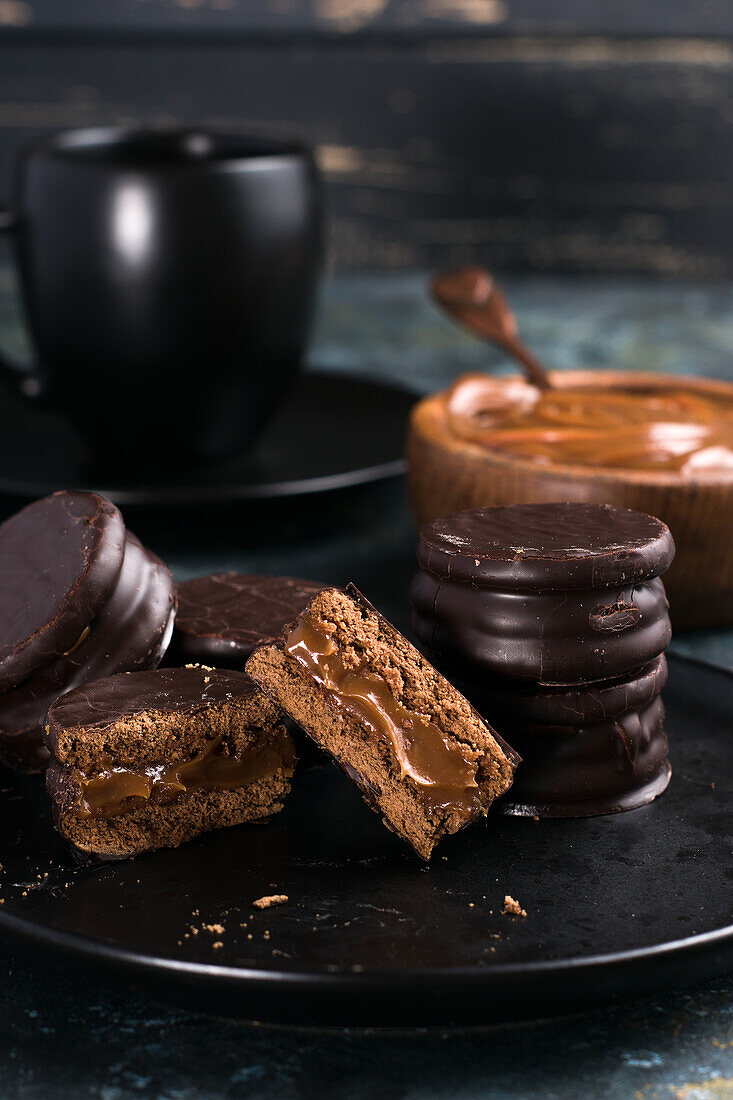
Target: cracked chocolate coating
486,603
546,547
130,632
101,703
60,558
222,618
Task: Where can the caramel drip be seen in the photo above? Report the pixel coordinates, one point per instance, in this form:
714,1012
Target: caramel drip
108,793
79,641
640,428
444,777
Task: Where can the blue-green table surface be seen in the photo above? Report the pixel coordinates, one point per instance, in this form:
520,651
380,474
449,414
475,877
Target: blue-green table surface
58,1039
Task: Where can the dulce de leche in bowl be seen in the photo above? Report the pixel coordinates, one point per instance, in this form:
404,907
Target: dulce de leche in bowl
656,443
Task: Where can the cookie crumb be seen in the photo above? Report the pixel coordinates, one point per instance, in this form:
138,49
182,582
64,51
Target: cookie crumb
218,928
217,945
270,900
512,907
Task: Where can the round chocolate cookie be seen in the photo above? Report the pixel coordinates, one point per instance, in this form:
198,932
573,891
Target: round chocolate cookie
590,768
104,702
146,760
550,593
530,706
222,618
60,558
130,632
594,749
547,547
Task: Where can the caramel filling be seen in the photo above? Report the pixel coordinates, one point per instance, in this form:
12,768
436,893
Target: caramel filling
79,641
640,428
443,776
108,793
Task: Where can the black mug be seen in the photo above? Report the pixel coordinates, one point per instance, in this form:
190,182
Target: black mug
168,280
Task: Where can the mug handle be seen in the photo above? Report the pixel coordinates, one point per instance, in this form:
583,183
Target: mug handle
25,380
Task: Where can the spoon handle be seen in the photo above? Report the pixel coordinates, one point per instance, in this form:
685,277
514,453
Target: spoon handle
471,296
533,369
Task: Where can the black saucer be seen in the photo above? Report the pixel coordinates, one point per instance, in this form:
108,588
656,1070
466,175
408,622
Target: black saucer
629,904
332,432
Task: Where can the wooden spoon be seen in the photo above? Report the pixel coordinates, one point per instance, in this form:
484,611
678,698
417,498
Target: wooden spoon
473,298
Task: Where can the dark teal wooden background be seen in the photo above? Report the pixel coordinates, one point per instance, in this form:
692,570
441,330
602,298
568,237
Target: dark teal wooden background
566,135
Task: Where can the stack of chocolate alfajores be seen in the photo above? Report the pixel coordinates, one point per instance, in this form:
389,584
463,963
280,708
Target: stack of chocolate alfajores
553,620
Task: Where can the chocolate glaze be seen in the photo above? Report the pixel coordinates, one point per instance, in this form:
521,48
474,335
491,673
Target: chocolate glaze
546,547
490,595
103,702
542,708
592,768
221,618
130,632
442,774
548,637
60,558
585,751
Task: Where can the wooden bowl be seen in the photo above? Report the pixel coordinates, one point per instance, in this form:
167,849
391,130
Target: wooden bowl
447,474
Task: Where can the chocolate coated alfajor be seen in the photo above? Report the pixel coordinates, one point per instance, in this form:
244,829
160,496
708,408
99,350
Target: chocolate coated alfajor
550,593
553,620
588,749
223,617
80,599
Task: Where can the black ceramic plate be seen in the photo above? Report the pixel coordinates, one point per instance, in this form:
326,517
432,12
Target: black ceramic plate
332,432
616,906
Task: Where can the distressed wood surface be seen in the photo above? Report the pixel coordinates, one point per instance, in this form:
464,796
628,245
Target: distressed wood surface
555,154
349,17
